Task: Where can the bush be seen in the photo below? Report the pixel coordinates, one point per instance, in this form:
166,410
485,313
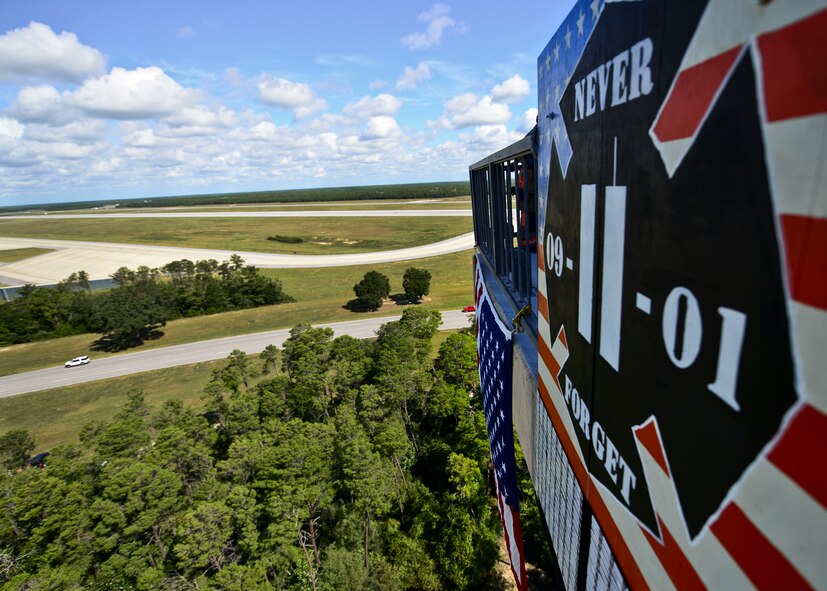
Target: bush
285,239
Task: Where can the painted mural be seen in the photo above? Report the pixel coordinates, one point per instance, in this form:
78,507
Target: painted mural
682,160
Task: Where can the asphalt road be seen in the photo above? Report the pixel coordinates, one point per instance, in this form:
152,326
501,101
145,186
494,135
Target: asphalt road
130,363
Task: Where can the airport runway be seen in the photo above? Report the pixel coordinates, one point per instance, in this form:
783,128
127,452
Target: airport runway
101,259
343,213
130,363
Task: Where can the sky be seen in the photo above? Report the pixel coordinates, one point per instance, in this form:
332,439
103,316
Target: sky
108,100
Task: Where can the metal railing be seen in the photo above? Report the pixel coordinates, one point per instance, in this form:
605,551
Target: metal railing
504,202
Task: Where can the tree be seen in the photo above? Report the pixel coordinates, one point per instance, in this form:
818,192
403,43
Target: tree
372,289
268,356
127,316
15,448
416,283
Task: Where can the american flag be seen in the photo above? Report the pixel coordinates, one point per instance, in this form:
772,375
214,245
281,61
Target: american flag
494,347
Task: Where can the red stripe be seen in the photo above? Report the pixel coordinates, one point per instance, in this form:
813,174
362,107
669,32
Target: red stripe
805,244
795,75
626,561
542,303
803,440
549,360
649,437
763,564
540,256
692,95
674,561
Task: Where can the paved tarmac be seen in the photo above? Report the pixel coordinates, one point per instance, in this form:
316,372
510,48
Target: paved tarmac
101,259
342,213
130,363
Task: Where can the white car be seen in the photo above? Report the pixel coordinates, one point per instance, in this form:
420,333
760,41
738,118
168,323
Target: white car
77,361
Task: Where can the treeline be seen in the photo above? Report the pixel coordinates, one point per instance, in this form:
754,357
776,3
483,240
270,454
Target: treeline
404,191
361,465
142,301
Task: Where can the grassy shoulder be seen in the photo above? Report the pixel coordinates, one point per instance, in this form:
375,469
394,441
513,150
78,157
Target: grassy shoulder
321,295
324,235
54,417
19,254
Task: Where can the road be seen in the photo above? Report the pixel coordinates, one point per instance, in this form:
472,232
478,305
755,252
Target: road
130,363
343,213
101,259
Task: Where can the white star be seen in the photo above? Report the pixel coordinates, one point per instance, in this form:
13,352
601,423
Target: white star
557,52
557,92
595,5
502,414
548,100
548,61
568,38
580,22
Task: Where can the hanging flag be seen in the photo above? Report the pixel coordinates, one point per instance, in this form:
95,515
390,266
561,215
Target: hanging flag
494,348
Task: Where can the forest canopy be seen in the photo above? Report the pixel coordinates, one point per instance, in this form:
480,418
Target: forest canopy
333,463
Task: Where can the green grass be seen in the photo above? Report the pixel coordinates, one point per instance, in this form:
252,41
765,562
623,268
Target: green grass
320,235
55,416
19,254
320,294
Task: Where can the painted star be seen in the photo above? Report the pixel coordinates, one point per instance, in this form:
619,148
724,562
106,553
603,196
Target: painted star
568,38
548,61
557,52
557,92
580,22
595,6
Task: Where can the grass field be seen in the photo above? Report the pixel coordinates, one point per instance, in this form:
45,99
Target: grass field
320,235
320,294
54,417
19,254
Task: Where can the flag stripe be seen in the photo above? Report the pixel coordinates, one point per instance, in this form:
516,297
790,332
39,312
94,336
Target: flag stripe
765,566
674,561
804,438
795,76
692,95
805,240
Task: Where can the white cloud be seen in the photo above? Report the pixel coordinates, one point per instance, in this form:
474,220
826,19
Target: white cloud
514,89
377,84
383,104
142,93
528,120
312,108
466,110
185,32
41,104
438,22
36,52
11,128
413,76
284,94
381,128
84,132
203,117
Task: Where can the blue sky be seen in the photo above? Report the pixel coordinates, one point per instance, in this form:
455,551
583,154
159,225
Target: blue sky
109,100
